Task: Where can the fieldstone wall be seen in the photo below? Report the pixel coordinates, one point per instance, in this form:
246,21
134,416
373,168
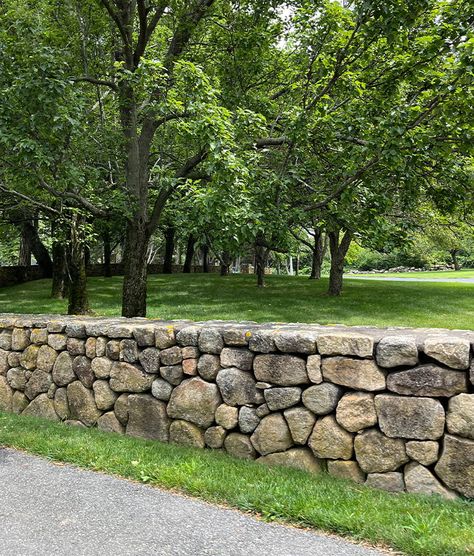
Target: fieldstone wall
392,408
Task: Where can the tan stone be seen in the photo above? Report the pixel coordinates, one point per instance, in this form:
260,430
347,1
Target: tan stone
227,416
296,458
125,377
397,351
346,470
57,341
39,336
453,352
147,417
272,435
19,402
322,398
456,465
29,357
300,422
377,453
62,369
121,408
330,441
101,367
42,407
425,452
61,404
420,480
108,422
428,380
104,396
313,368
460,416
356,411
359,374
345,344
38,383
196,401
20,339
187,434
82,406
283,370
46,358
239,446
238,387
392,481
214,437
6,394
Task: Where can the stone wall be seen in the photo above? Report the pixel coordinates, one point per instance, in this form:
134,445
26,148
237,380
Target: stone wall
391,408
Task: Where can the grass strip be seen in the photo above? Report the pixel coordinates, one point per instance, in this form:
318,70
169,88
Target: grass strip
415,525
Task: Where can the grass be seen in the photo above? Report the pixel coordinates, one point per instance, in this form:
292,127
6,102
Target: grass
415,525
285,299
426,275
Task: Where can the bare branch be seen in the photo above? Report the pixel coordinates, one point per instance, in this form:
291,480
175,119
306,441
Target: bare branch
95,81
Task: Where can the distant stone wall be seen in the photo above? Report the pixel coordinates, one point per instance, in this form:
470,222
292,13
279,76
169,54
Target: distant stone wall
391,408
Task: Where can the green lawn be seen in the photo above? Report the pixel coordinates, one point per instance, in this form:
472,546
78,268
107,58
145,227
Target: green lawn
431,275
415,525
285,299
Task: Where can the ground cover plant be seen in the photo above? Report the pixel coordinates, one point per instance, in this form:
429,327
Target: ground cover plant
285,299
415,525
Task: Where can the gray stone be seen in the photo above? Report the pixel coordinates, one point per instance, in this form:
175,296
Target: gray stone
214,437
42,407
397,351
150,360
104,397
112,350
420,480
313,368
144,335
90,346
239,446
108,422
17,378
121,408
210,341
272,435
172,374
428,380
196,401
345,344
453,352
262,410
263,385
46,358
171,356
101,367
20,339
82,406
349,470
300,422
57,341
29,357
187,434
165,337
39,336
74,423
460,416
75,346
5,340
359,374
83,370
190,352
295,342
283,370
55,327
4,361
238,387
61,405
236,336
161,389
424,452
356,411
456,465
227,416
38,383
101,346
6,394
128,350
19,402
377,453
237,357
322,398
282,398
414,418
330,441
125,377
262,341
76,330
208,366
392,481
51,390
296,458
188,336
147,417
248,419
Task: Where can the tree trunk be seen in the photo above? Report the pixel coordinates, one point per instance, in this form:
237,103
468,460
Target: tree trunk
107,255
338,254
188,261
454,258
226,261
39,251
169,250
135,270
59,289
261,255
24,255
317,256
78,303
205,258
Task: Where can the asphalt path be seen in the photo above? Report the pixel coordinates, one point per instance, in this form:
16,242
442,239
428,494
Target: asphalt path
48,509
401,279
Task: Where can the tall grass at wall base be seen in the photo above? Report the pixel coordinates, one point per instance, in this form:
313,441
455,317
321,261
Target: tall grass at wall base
415,525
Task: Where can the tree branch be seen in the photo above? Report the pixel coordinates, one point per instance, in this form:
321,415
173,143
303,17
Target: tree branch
95,81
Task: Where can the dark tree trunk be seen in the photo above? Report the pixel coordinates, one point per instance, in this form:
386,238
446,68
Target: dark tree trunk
317,256
59,283
78,302
37,248
261,256
135,270
454,258
226,261
205,258
338,254
169,250
24,255
107,255
188,261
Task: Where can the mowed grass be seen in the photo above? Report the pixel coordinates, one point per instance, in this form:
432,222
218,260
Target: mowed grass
415,525
427,275
284,299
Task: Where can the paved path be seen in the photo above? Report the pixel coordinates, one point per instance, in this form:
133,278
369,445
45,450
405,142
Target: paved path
414,279
46,509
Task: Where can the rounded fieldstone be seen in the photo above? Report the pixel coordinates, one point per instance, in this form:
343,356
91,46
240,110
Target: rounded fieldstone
322,398
330,441
358,374
210,341
239,446
188,336
20,339
5,340
227,416
38,383
75,346
29,357
391,481
108,422
296,458
262,341
208,366
190,367
397,351
161,389
144,335
453,352
420,480
377,453
195,400
150,360
460,416
187,434
6,394
39,336
238,387
61,405
262,410
248,419
121,408
112,350
101,346
146,417
272,435
19,402
90,346
125,377
424,452
103,395
346,470
46,358
17,378
282,398
82,369
171,356
172,374
427,380
214,437
456,465
82,406
128,350
294,341
165,337
345,344
356,411
101,367
57,341
283,370
300,422
237,357
62,370
313,368
42,407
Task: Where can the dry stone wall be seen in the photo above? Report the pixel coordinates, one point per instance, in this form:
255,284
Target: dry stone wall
392,408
